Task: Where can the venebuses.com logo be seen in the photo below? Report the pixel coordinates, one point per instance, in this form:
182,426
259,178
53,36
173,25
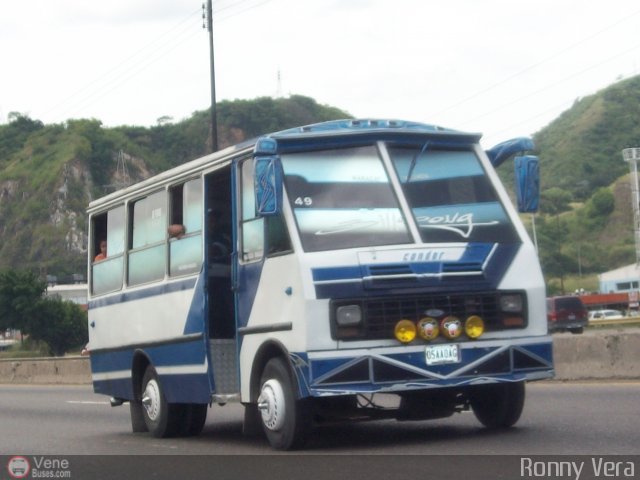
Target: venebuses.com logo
38,467
18,467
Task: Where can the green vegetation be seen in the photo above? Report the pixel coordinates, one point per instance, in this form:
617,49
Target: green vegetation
585,224
56,324
49,173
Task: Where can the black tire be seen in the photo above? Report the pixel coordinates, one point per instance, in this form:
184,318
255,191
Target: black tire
138,424
286,421
498,405
194,417
162,419
577,330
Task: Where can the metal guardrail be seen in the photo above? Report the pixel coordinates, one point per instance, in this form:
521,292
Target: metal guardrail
617,321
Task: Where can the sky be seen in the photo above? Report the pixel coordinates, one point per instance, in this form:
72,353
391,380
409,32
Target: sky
505,68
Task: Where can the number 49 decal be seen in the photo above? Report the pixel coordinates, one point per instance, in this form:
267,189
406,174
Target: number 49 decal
303,201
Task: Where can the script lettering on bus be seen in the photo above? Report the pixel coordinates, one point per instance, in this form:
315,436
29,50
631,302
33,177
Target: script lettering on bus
460,223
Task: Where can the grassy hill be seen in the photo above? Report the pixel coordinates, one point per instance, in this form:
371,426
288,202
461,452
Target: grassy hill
49,173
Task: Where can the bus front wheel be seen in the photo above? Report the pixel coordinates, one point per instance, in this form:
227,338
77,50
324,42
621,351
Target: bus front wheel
286,420
498,405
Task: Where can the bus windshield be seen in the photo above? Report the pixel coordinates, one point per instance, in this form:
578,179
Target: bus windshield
343,199
450,196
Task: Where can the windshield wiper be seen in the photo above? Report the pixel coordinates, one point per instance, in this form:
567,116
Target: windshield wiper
414,160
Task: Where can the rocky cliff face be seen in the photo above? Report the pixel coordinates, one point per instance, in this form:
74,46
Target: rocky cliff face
45,228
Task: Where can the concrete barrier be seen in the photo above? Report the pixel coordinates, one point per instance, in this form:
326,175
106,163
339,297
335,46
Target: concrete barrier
597,355
62,370
607,354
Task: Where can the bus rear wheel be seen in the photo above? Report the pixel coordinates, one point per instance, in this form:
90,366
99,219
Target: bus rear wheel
286,420
498,405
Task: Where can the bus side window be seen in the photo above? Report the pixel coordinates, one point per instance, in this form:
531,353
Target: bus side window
252,226
107,273
147,243
278,240
185,251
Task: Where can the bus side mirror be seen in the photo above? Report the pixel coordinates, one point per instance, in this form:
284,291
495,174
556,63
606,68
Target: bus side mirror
527,179
501,152
267,172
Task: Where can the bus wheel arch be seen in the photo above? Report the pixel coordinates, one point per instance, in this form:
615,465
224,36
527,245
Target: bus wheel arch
276,406
267,351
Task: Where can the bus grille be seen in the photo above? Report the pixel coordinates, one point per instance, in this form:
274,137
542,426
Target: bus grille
381,314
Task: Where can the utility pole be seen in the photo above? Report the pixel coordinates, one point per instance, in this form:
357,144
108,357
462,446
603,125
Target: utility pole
632,156
214,122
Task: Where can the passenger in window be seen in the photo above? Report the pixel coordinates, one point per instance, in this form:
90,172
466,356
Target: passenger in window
103,251
176,231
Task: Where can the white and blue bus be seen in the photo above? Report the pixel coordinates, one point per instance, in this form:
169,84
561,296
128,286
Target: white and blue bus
345,270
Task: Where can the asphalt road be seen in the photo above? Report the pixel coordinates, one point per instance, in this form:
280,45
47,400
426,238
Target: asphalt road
559,418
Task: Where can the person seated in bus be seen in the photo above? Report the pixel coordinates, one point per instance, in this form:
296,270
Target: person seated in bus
176,230
103,251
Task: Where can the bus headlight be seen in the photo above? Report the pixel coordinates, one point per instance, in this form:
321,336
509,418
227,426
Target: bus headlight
428,328
349,315
405,331
474,326
514,310
511,302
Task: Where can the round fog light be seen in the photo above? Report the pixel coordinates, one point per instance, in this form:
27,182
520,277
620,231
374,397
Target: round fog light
474,326
405,331
428,328
451,327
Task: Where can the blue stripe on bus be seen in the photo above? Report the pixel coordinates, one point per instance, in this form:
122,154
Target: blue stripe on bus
151,291
172,354
179,388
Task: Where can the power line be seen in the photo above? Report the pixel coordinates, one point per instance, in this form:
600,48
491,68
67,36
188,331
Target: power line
537,64
101,78
554,84
118,75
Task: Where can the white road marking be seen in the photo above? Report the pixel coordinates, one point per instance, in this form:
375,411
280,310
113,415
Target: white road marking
87,402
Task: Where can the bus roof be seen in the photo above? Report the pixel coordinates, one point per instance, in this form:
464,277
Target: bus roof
333,128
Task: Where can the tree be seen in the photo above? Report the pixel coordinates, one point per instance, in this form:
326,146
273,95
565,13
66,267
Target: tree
555,200
62,325
20,292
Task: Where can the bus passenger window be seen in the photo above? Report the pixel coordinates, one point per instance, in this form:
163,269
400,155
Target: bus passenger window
185,249
148,248
106,273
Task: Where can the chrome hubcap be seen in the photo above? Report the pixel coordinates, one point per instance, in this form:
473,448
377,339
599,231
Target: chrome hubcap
271,404
151,399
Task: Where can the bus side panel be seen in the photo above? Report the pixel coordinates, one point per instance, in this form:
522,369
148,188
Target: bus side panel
182,368
279,303
162,323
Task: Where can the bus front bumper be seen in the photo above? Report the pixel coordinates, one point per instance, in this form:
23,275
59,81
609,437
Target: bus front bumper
413,367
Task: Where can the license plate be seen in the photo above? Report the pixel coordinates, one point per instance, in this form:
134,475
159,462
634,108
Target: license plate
443,354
